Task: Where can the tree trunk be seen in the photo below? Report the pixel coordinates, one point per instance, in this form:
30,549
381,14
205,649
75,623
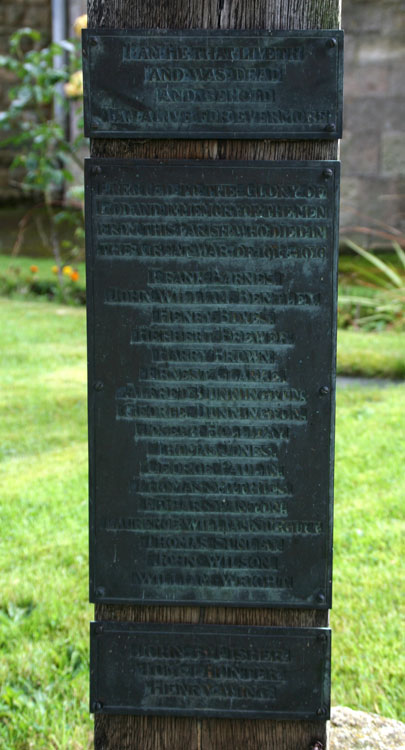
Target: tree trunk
178,733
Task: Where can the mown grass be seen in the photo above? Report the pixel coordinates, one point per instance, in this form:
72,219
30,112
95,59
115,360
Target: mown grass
368,612
44,612
367,354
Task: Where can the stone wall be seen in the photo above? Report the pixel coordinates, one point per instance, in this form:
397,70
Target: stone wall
14,14
373,145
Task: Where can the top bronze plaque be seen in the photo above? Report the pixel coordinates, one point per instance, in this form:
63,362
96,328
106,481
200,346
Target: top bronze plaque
213,84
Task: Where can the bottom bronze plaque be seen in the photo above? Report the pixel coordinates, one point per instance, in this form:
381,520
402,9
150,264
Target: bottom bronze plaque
210,671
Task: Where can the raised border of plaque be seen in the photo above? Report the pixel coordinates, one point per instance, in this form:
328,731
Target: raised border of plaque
210,671
180,511
213,84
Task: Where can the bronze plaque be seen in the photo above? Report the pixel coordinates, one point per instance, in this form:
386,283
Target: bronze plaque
213,84
210,671
211,328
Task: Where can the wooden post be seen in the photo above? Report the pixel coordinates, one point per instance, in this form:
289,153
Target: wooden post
176,733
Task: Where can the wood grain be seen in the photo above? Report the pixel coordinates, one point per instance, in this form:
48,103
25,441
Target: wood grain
177,733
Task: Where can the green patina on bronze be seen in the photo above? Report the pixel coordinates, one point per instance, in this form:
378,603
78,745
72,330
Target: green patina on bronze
213,84
211,329
210,671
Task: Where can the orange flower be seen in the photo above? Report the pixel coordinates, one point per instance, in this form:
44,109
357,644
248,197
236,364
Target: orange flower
74,275
34,269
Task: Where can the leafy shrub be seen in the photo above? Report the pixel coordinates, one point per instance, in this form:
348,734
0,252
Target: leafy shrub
64,285
378,298
44,158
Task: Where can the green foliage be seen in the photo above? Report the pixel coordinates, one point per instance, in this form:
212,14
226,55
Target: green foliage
43,152
44,612
63,289
44,158
25,278
377,298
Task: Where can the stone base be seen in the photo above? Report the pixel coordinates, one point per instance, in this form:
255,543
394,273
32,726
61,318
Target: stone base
358,730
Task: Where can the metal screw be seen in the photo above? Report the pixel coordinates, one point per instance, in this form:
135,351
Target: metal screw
99,629
320,598
100,591
324,390
327,173
96,170
330,127
321,712
93,41
97,706
84,50
331,42
321,637
98,385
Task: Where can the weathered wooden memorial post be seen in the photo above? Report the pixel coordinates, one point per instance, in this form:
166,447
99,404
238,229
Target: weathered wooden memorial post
211,220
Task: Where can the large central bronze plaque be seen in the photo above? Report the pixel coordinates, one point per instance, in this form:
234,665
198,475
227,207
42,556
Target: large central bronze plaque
211,327
213,84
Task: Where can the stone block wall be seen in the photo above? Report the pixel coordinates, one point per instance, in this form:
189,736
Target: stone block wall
14,14
373,145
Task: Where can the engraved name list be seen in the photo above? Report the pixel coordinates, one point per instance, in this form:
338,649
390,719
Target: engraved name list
195,670
211,386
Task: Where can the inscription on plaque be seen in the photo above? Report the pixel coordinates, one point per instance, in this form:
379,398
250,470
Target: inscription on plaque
192,670
211,304
196,84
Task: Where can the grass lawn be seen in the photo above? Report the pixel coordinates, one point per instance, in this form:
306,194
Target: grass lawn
368,610
379,354
44,612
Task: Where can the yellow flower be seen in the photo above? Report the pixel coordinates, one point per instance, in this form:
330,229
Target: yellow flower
55,269
67,270
74,87
34,269
79,24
